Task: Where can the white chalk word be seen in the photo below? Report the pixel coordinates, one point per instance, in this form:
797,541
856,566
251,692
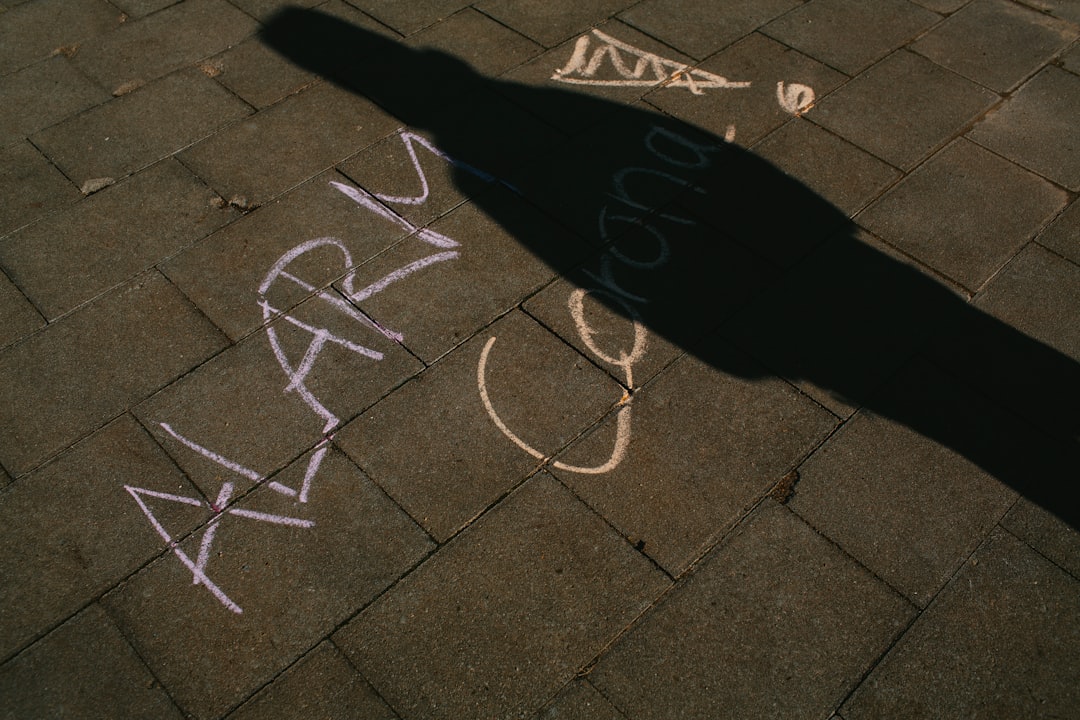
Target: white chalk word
681,153
297,370
634,68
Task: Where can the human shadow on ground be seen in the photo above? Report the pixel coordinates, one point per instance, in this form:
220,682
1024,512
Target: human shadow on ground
692,236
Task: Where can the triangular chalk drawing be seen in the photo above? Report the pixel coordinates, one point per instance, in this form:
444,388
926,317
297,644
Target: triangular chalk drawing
642,69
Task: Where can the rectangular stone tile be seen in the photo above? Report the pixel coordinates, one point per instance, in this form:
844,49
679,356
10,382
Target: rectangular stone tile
1000,641
435,445
902,108
506,614
844,321
850,35
596,73
135,130
76,254
942,6
286,144
1047,534
752,111
1065,9
258,74
698,27
34,30
1063,236
30,185
139,8
836,170
964,213
489,47
408,18
150,47
448,295
551,23
580,700
266,400
322,684
79,531
1071,60
1036,127
263,10
691,452
83,370
1024,352
649,297
42,95
996,43
85,668
775,623
278,573
18,317
912,507
316,231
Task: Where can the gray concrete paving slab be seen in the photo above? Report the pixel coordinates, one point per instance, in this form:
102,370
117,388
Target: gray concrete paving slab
903,108
964,213
317,233
337,366
321,685
996,43
970,653
1046,533
87,248
147,48
1071,60
700,28
752,111
31,185
519,602
80,530
1034,128
32,31
409,19
291,142
18,317
83,669
263,10
551,23
775,623
450,297
849,35
139,8
433,445
1058,8
257,74
473,37
140,128
581,700
839,172
279,586
695,267
699,449
43,94
596,73
1063,235
84,370
907,508
944,7
834,350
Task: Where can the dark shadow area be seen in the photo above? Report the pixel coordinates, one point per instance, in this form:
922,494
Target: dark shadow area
694,236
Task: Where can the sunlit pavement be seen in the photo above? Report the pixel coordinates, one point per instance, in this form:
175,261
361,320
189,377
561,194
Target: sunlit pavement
564,359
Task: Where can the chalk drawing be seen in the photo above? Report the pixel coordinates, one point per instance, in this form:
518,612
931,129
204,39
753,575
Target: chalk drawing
795,98
691,155
640,69
297,371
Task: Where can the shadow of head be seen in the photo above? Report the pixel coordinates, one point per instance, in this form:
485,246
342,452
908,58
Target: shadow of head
722,255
